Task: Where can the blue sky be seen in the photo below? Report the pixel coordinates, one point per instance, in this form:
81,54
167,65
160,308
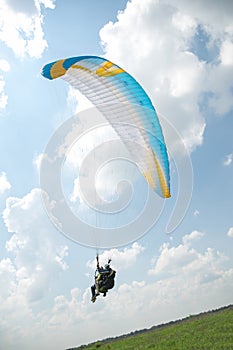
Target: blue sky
181,53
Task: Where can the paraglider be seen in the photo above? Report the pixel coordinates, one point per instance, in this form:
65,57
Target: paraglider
104,280
130,112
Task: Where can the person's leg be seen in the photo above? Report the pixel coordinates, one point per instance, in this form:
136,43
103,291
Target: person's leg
93,291
93,298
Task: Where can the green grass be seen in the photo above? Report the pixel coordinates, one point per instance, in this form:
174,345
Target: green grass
208,331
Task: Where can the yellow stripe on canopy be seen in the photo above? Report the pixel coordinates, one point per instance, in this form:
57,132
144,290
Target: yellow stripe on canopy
57,70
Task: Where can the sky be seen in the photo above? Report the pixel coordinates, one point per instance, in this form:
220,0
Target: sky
182,54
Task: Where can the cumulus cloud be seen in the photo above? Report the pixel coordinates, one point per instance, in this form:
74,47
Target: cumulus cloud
7,277
160,52
226,53
4,183
187,259
30,274
38,259
121,258
21,26
193,236
31,271
230,232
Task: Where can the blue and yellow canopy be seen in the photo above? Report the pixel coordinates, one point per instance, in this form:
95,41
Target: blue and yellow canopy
126,106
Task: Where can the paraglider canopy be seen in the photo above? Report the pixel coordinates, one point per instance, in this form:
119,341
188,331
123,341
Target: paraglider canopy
133,116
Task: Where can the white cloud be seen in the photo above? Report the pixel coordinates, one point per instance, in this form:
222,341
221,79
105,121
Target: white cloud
228,159
121,258
158,52
38,259
30,274
208,12
37,160
21,26
230,232
172,258
4,65
28,6
185,258
226,53
7,277
4,183
193,236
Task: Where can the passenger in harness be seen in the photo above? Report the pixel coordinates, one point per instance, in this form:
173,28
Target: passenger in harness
104,280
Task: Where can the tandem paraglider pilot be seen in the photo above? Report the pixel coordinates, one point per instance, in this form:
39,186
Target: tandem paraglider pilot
104,280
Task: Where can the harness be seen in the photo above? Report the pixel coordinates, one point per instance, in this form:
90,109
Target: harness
104,277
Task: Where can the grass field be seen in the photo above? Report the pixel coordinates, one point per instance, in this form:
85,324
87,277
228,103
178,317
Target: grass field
207,331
